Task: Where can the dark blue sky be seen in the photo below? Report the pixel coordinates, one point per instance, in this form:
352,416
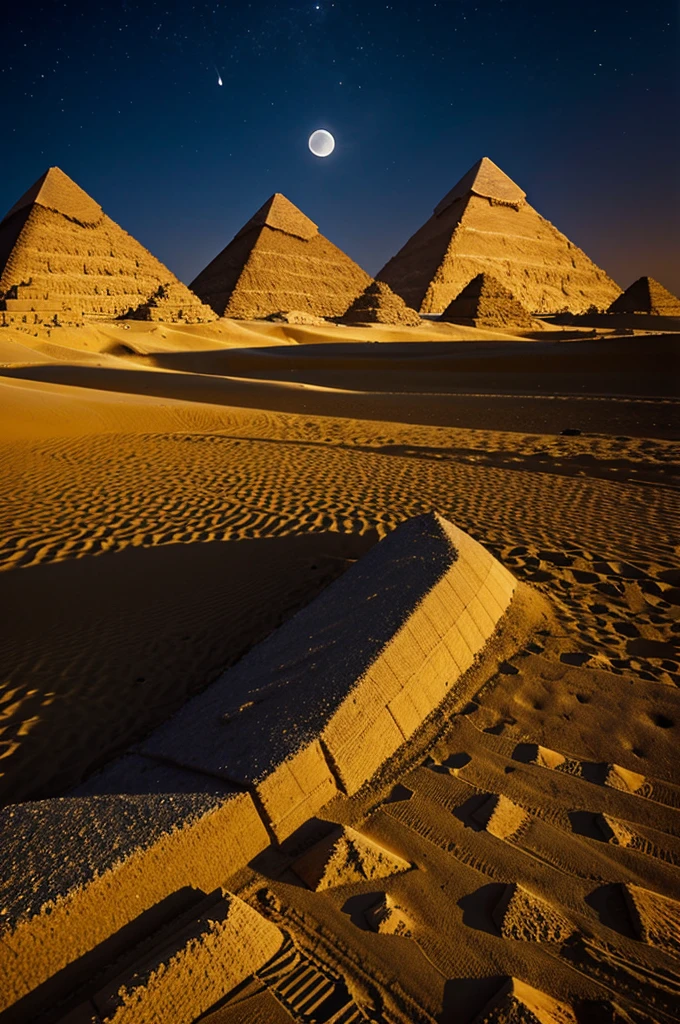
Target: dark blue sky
576,101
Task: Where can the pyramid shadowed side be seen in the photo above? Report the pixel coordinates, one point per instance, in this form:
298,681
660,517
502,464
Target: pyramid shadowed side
485,225
62,259
279,262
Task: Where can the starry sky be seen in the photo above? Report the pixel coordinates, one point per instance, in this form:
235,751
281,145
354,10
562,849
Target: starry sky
576,101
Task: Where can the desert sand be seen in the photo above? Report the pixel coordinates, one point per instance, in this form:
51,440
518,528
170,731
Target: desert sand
173,494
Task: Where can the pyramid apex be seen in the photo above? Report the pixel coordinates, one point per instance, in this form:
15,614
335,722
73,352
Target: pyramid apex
485,179
56,191
280,214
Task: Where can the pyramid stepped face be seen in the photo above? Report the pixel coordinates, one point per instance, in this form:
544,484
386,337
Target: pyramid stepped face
485,225
379,305
485,302
60,255
647,296
278,262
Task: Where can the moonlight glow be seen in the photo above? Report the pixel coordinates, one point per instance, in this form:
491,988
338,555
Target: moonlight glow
321,142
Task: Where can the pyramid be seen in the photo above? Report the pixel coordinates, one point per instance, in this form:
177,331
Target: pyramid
278,262
379,305
485,302
646,296
344,857
485,224
62,258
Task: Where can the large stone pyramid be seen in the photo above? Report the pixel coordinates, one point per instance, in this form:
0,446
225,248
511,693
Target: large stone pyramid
277,262
647,296
61,256
485,302
485,225
379,305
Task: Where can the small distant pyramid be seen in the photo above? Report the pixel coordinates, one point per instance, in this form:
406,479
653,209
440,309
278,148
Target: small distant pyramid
485,225
62,257
379,305
278,262
485,302
344,857
519,1003
646,296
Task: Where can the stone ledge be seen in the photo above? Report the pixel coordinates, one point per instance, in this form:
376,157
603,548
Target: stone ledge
314,710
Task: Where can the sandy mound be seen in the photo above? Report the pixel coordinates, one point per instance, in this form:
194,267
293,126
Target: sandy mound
518,1003
627,781
379,305
485,302
485,225
615,831
386,918
646,296
523,916
344,857
655,918
62,258
278,260
501,817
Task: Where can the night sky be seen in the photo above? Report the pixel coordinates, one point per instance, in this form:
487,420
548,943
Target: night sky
577,102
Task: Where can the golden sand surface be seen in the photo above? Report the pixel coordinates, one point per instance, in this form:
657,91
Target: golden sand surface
171,494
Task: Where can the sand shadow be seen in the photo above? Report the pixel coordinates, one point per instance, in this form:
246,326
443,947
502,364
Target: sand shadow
356,906
127,636
586,823
609,903
468,811
464,998
478,907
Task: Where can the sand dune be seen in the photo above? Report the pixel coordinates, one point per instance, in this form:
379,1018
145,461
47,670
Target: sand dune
171,494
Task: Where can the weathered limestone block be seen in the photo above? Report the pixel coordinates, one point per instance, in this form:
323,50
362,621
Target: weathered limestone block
195,968
324,701
77,869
